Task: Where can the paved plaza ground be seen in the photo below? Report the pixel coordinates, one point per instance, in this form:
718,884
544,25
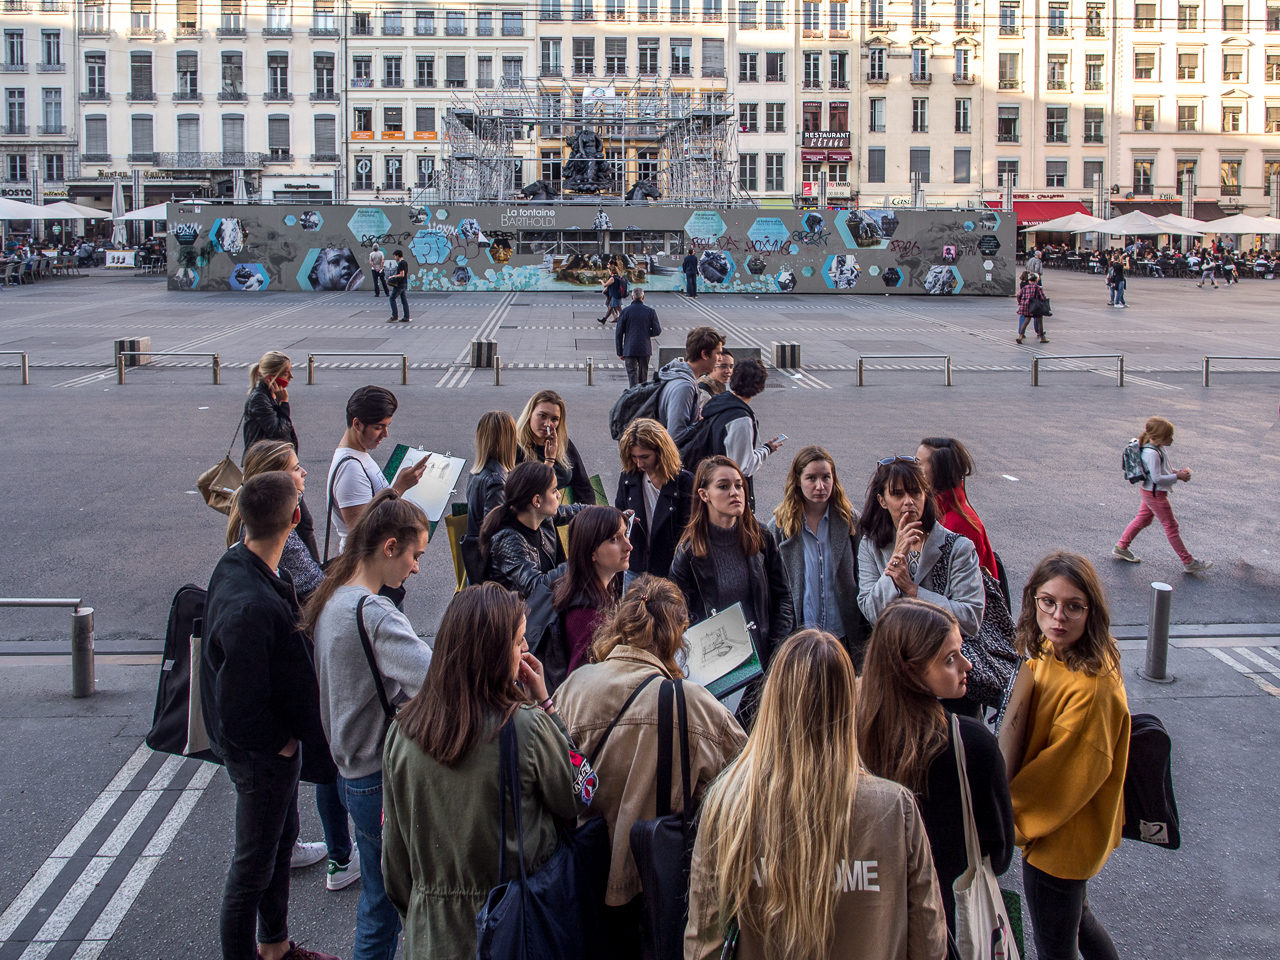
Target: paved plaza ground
99,484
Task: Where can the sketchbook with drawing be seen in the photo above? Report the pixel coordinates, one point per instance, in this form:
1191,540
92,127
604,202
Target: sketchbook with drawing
722,657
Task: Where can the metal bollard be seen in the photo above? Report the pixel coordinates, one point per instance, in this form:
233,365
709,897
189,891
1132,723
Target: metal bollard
26,372
1120,381
1035,371
311,369
859,371
497,371
948,371
217,369
404,369
120,370
82,678
591,372
1156,668
1206,371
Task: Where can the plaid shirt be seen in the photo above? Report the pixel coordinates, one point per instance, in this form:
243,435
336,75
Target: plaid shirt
1028,293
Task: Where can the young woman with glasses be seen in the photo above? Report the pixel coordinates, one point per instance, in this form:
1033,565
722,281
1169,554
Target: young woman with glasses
1068,795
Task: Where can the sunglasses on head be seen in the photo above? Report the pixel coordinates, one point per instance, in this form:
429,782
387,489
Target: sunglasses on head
894,459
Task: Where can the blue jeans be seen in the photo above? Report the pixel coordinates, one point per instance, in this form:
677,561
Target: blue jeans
333,817
398,291
1120,291
380,277
377,921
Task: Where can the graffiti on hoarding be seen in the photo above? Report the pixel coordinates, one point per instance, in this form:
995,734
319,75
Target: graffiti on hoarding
811,238
904,248
386,239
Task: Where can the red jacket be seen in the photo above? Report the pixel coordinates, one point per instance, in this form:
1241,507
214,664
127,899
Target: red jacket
956,515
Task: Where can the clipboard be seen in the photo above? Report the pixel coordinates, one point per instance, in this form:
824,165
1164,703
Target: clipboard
721,653
433,491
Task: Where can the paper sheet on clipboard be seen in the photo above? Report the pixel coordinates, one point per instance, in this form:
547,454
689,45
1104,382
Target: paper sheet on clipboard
722,657
432,492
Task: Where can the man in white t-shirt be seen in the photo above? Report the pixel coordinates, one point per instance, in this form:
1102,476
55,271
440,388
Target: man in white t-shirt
354,476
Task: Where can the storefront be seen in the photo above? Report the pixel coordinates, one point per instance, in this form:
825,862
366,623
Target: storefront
315,188
1034,209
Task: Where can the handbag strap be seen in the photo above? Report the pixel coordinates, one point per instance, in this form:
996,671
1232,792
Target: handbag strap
373,664
509,774
671,700
625,707
971,846
239,426
328,519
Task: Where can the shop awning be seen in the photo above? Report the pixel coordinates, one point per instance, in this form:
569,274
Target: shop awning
840,156
1031,212
1204,209
813,156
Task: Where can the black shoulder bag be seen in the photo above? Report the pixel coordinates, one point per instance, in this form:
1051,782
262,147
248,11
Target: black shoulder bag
663,847
367,644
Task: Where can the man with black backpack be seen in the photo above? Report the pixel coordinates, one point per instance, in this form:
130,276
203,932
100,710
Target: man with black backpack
637,325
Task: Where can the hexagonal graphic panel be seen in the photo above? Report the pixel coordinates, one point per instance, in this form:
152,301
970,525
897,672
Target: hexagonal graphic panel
942,280
715,266
786,279
249,276
768,233
186,279
989,220
705,225
892,277
311,220
988,245
330,268
368,222
227,234
430,246
866,229
841,271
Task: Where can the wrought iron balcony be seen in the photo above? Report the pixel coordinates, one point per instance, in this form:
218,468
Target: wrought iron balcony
326,158
232,32
14,67
1006,138
228,96
324,32
277,158
393,81
922,78
184,160
1010,84
1093,85
53,130
191,96
142,158
925,26
964,78
95,96
15,129
877,78
278,97
95,158
190,32
326,97
143,96
51,68
277,31
1056,84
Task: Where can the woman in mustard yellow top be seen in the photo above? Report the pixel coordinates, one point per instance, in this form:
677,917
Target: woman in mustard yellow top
1068,796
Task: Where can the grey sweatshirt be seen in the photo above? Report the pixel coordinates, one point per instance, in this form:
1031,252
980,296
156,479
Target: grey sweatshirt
349,708
678,405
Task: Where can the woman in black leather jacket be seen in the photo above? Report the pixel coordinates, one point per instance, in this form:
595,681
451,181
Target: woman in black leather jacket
522,552
495,458
725,557
653,485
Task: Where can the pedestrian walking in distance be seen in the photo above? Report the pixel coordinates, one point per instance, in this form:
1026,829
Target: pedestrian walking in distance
690,269
376,263
637,326
398,280
1155,497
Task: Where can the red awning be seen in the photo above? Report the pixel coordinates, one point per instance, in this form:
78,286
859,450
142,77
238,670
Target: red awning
840,156
813,156
1031,212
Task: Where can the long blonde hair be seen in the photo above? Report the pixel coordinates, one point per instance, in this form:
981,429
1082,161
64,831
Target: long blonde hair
495,440
524,432
650,434
789,514
1158,431
783,811
271,364
263,457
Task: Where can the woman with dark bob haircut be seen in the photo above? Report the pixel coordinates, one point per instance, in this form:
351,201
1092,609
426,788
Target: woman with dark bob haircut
905,552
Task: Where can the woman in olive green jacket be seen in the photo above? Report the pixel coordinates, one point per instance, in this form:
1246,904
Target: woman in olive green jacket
441,774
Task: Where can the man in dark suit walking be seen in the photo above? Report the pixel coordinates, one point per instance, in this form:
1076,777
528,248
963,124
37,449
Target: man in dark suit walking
690,268
637,324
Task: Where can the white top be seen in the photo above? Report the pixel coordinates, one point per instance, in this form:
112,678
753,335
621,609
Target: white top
1162,475
650,500
356,484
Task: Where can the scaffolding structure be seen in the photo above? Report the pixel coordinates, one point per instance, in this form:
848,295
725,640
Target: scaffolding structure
684,142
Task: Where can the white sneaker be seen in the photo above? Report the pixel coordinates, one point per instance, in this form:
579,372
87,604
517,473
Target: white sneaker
1195,566
1124,553
344,874
305,854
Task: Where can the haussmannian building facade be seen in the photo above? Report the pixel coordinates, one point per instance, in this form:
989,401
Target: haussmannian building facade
876,101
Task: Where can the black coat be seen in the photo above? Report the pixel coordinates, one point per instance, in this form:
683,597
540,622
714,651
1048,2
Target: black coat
484,492
689,264
770,593
636,325
258,683
575,478
653,551
266,418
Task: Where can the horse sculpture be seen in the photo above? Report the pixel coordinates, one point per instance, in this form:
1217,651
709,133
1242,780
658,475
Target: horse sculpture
539,190
645,190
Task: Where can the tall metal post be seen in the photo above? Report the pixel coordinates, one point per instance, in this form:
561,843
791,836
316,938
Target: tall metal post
120,369
217,369
26,371
591,372
404,369
82,675
311,369
1156,667
1206,371
497,371
1120,375
1035,371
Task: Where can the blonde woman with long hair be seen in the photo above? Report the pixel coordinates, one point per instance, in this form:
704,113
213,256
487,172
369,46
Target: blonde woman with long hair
653,485
542,435
267,417
495,458
1160,479
801,854
815,526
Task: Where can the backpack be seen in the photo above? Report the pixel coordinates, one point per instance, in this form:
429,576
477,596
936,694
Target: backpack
171,724
699,444
636,402
621,286
1150,809
1135,471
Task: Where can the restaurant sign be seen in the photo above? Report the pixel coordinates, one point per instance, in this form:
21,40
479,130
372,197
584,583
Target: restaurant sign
826,140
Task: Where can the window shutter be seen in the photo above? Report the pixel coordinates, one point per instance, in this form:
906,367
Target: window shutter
326,136
426,119
278,133
712,58
143,141
188,134
233,134
95,135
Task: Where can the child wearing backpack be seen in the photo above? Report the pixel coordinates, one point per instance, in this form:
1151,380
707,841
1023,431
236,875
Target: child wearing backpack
1157,480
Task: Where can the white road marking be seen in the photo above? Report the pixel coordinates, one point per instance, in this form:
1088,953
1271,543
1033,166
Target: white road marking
1268,667
1244,671
1007,477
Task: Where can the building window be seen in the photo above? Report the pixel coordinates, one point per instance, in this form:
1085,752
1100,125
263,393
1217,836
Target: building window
51,48
748,174
1188,66
363,119
14,49
748,15
1093,124
278,75
484,24
811,116
774,19
324,68
1233,17
775,68
775,118
1093,19
427,171
484,72
362,71
615,56
1230,178
1008,66
919,115
18,168
188,75
748,67
1007,124
140,16
920,164
839,19
361,24
1189,117
876,64
962,63
964,112
326,136
1056,76
513,71
233,16
963,17
455,72
1144,16
278,138
839,75
323,20
961,165
1273,19
140,85
875,165
682,58
810,173
812,69
1093,67
775,170
143,141
1270,170
424,23
712,58
1233,66
919,63
393,119
512,24
425,118
95,74
54,168
647,49
1144,116
233,75
550,66
364,174
1055,173
394,171
95,136
455,23
1057,20
875,114
426,72
15,111
1009,11
188,134
749,118
278,15
52,104
838,116
1273,118
1094,171
1144,65
1055,125
1188,16
1006,173
812,19
1186,176
1232,118
839,173
584,56
1142,183
1273,67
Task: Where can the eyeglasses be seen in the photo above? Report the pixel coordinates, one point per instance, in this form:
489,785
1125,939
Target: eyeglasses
1071,610
894,459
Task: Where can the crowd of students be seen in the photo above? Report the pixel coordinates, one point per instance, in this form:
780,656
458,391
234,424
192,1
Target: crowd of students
831,807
